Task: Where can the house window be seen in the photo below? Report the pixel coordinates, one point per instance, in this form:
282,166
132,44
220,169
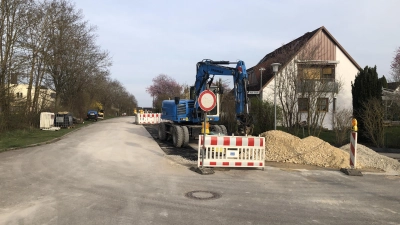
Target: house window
311,73
327,73
322,104
317,72
303,104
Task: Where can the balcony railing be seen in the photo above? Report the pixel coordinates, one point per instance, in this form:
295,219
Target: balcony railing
321,85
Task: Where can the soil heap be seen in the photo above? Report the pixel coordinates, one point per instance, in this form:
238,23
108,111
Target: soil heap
284,147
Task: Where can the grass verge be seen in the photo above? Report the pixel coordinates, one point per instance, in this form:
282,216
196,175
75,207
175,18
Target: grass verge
28,137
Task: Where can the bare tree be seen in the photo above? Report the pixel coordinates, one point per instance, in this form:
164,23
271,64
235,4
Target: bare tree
47,45
342,126
392,101
164,87
32,46
121,100
64,43
372,116
73,59
13,21
395,66
305,89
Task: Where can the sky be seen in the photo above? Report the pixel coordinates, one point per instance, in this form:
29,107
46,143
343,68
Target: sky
153,37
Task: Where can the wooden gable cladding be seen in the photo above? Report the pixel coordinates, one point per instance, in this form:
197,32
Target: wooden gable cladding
320,47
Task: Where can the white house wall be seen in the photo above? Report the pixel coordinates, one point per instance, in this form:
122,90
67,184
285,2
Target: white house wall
44,96
268,91
345,73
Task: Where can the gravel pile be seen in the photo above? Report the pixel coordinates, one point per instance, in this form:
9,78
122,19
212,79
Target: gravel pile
370,159
284,147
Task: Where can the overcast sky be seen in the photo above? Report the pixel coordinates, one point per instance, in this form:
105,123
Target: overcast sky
148,37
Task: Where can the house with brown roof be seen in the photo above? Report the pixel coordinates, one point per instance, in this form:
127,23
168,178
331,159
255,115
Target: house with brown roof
313,81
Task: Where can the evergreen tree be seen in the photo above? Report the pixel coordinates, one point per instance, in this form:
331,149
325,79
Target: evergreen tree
383,81
366,86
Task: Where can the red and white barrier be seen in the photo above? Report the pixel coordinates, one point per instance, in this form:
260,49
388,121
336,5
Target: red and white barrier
353,149
148,118
231,151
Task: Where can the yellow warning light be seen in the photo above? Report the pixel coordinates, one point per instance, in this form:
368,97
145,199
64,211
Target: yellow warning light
354,125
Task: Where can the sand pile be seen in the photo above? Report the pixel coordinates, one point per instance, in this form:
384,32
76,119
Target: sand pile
284,147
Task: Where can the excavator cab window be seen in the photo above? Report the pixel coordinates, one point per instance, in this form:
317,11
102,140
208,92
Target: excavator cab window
213,111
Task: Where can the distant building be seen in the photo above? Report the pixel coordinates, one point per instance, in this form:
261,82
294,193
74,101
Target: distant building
46,97
391,101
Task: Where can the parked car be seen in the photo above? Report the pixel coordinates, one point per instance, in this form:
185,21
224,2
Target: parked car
101,114
92,115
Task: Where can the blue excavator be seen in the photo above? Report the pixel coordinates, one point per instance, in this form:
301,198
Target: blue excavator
182,118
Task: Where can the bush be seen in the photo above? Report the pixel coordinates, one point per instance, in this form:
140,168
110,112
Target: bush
263,115
342,126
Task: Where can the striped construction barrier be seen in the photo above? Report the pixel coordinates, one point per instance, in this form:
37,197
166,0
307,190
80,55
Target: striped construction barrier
353,149
148,118
231,151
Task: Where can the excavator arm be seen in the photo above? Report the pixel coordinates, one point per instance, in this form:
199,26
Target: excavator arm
207,67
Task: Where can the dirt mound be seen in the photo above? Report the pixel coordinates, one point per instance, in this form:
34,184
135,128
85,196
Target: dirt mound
371,159
284,147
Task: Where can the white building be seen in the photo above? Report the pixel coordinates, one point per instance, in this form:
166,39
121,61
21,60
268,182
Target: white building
46,97
317,67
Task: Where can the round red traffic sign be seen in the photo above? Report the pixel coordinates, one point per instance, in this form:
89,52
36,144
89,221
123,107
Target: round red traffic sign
207,100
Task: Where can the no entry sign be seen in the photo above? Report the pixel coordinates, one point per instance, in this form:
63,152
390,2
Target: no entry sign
207,100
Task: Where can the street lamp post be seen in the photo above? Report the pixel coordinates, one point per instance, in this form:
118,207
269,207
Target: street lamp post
275,68
261,91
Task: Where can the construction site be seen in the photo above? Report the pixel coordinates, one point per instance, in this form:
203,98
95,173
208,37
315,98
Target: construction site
286,151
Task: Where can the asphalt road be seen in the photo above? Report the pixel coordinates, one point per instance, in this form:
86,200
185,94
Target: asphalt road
113,172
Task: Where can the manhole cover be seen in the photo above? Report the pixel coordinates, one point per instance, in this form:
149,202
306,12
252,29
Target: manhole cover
202,195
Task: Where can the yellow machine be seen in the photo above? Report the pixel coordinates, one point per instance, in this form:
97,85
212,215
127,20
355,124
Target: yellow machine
99,107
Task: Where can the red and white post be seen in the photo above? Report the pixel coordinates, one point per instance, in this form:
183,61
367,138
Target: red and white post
353,149
353,143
